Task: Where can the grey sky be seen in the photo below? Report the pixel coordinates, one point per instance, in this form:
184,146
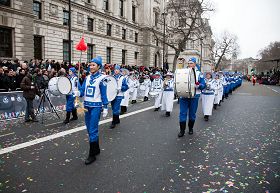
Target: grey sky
255,22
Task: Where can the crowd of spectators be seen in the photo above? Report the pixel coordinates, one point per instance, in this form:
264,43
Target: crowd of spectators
12,72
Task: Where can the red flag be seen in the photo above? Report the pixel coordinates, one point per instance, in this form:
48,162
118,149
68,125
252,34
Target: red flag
81,46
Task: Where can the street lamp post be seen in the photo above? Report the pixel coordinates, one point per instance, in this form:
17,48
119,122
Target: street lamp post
69,33
163,55
201,54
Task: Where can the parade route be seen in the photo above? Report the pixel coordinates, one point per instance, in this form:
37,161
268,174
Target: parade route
237,150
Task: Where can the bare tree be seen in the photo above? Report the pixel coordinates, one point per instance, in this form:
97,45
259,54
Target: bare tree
225,47
184,23
270,57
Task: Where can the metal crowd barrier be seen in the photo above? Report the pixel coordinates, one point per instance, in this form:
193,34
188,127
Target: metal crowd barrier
13,104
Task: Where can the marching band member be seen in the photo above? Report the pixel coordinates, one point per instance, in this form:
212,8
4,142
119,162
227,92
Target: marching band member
217,85
157,86
168,94
116,103
221,88
207,96
125,100
189,105
94,92
134,89
224,83
147,84
70,99
227,85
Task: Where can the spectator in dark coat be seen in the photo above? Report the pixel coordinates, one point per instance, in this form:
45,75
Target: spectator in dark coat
10,83
19,77
29,92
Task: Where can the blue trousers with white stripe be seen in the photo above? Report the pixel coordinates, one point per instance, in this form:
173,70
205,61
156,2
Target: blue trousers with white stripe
92,116
188,106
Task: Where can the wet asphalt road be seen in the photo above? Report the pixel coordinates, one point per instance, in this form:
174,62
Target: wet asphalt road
237,150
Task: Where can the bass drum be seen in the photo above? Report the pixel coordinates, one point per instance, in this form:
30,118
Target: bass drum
185,80
112,87
59,86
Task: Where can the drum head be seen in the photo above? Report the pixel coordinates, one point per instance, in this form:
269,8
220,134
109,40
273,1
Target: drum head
192,82
64,85
153,94
112,87
185,80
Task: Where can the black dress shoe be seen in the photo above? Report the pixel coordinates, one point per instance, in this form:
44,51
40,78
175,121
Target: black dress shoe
206,117
112,126
167,114
90,159
190,131
34,120
181,134
156,109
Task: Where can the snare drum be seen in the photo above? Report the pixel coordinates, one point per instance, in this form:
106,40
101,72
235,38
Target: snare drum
185,82
59,86
153,94
112,87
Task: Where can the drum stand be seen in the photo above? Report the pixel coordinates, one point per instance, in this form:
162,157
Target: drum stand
42,102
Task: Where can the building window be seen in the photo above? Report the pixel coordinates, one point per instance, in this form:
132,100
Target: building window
90,24
36,9
108,55
88,1
123,56
38,47
136,37
121,8
156,42
156,19
6,43
66,50
90,52
106,5
109,29
123,34
133,13
65,17
5,2
136,55
182,22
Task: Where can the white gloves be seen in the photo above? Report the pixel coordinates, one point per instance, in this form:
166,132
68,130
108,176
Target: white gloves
32,87
37,97
105,112
196,86
77,93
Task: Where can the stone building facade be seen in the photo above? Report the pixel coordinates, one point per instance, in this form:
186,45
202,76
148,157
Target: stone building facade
118,30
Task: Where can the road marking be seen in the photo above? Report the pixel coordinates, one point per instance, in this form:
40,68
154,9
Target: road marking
52,124
7,134
275,90
64,133
272,89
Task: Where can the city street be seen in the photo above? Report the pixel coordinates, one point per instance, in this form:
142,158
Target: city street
237,150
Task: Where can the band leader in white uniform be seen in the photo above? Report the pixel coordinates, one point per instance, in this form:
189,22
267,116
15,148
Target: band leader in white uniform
208,96
147,84
134,88
157,87
168,94
218,87
125,100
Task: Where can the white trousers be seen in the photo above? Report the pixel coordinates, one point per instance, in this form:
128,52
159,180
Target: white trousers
167,101
158,99
207,104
